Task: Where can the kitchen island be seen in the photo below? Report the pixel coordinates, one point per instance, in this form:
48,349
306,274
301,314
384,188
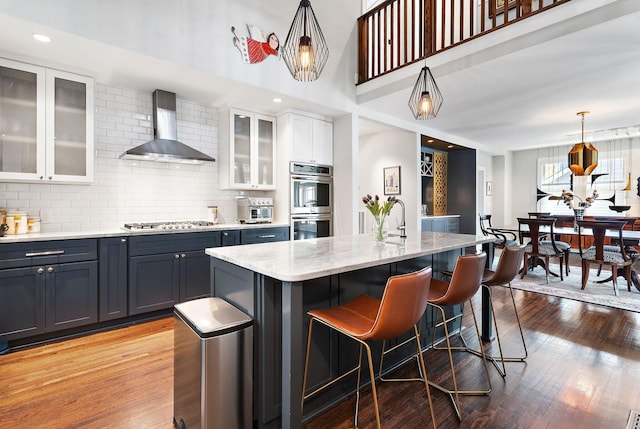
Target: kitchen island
276,283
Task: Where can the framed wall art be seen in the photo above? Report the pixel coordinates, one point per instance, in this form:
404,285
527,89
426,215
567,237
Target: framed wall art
392,180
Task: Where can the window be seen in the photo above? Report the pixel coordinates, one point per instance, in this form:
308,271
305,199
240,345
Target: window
609,178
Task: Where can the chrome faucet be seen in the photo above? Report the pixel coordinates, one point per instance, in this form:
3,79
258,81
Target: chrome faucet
403,225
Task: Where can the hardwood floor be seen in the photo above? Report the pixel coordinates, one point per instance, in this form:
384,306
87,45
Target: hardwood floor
583,371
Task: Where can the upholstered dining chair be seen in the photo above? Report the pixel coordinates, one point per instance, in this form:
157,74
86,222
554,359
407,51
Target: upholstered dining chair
562,245
599,253
535,229
466,278
366,318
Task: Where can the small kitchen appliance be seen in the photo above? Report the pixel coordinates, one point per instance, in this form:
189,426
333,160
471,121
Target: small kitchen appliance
255,210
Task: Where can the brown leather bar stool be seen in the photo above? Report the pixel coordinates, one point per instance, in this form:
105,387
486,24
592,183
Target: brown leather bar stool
466,278
367,318
508,266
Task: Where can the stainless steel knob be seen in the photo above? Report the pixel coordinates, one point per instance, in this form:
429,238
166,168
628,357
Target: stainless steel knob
183,255
176,256
49,269
123,240
40,270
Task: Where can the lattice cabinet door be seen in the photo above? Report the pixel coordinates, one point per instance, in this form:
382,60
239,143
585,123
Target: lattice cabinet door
439,184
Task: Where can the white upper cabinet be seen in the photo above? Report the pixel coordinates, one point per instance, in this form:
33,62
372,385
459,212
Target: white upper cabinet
310,139
247,150
46,124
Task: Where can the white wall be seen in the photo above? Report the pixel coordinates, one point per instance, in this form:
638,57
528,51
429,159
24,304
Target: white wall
129,191
197,35
388,149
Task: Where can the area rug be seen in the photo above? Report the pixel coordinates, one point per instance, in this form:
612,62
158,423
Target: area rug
594,293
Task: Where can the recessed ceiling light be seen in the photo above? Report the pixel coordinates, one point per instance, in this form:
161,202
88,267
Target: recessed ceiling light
430,141
277,100
41,38
450,146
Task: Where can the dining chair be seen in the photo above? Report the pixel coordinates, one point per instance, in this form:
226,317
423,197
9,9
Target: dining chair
629,244
366,318
563,245
613,255
541,250
466,279
503,238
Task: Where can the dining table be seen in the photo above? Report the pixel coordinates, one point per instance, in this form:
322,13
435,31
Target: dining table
627,234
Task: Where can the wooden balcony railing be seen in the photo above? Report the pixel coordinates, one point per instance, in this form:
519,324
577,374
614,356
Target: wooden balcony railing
401,32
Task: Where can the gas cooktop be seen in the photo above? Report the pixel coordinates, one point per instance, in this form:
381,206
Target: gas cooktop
190,224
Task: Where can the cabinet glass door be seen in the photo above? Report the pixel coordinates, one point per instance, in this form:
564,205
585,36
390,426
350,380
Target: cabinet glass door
70,124
265,151
241,149
69,127
20,121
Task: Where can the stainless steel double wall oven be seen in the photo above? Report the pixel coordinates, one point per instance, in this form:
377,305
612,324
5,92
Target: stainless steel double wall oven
311,200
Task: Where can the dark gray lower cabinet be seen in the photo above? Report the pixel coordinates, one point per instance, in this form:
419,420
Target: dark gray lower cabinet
166,269
22,303
447,224
46,294
112,282
71,295
264,235
230,238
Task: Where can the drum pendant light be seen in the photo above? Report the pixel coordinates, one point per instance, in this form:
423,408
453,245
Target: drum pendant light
426,99
305,51
583,157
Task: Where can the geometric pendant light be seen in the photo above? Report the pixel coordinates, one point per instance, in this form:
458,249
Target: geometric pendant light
426,99
583,157
305,51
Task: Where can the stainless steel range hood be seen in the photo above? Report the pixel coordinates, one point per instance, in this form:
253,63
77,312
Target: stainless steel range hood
165,147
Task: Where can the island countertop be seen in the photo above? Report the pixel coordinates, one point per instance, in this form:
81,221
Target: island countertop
300,260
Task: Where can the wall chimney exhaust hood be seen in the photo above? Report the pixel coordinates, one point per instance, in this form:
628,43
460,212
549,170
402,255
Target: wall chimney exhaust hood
165,147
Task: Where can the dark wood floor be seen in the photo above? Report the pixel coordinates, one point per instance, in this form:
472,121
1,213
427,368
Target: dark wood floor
583,372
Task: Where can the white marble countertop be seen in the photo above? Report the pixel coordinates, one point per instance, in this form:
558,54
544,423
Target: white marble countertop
119,232
300,260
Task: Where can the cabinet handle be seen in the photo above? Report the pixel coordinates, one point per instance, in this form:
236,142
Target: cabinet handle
176,256
225,234
183,255
50,177
46,253
123,240
40,270
49,269
267,236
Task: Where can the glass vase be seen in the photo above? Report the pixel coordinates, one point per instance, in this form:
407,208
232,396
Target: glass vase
379,229
578,214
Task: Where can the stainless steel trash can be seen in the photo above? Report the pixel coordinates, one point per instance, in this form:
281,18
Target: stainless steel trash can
213,366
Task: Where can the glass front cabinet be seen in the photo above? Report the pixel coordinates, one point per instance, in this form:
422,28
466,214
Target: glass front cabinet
46,124
247,150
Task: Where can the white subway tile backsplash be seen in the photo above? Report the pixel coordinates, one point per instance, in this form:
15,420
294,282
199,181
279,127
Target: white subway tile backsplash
126,190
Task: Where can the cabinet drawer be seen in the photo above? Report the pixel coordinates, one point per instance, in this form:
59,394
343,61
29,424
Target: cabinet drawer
16,255
263,235
175,242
